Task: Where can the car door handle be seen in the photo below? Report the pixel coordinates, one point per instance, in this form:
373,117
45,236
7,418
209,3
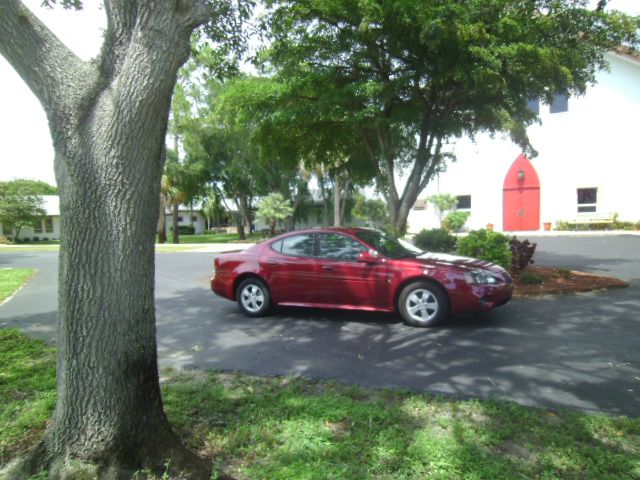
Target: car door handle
327,268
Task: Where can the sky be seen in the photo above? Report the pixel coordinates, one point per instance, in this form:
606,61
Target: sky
24,134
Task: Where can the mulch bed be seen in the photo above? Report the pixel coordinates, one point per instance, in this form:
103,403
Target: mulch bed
560,281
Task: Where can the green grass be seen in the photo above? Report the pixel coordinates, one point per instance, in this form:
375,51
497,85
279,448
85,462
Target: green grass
292,428
11,279
208,238
27,391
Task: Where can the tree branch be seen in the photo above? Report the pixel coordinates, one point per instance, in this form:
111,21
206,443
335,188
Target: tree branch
40,58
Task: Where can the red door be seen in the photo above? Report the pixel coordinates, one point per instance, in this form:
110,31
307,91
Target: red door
521,197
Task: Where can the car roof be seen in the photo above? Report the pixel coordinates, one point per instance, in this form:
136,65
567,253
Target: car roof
350,230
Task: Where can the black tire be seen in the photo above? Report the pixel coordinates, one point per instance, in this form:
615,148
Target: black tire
423,304
253,297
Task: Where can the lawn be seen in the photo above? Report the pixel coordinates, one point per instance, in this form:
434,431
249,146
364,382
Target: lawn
294,428
11,279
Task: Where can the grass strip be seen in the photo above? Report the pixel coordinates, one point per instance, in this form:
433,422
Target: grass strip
11,279
295,428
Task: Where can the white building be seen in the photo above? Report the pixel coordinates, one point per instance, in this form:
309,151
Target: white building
588,165
47,228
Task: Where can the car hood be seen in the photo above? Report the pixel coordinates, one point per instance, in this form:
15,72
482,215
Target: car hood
464,263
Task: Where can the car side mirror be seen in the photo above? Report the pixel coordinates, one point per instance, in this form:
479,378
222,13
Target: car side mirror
370,256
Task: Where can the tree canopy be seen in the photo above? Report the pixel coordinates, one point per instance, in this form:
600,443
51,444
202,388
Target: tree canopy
398,80
24,186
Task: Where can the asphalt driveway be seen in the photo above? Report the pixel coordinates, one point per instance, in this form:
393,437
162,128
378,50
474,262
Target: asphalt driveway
577,351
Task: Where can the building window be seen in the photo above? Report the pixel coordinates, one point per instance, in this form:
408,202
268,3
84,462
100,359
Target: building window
533,104
194,218
587,200
420,205
48,225
37,226
179,218
560,104
464,202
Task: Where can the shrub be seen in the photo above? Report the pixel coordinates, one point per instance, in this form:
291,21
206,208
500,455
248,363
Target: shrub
186,230
435,240
531,279
521,253
455,221
490,246
5,240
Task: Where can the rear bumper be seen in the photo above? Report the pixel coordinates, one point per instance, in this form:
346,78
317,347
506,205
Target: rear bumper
221,288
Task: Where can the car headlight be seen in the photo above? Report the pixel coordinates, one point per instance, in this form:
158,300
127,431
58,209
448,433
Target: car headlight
480,277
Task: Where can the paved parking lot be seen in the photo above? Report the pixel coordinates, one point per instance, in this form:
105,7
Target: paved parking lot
577,351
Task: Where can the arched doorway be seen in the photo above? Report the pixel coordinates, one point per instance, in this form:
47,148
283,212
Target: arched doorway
521,197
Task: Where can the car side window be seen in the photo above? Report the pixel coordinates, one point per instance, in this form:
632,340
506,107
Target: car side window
334,246
298,246
277,246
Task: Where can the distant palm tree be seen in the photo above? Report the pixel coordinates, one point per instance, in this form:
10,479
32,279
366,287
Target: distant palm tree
273,208
170,195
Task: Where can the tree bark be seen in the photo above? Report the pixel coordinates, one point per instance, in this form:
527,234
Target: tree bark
108,120
162,221
175,227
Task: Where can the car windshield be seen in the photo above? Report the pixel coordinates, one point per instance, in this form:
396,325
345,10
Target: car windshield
389,246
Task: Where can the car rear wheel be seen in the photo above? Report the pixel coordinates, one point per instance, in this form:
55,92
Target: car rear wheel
253,297
423,304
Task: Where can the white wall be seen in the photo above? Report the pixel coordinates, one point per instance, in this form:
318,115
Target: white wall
594,144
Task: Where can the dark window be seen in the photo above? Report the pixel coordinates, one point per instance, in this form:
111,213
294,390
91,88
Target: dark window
587,200
420,205
334,246
298,246
37,226
179,218
534,105
464,202
48,225
560,104
194,218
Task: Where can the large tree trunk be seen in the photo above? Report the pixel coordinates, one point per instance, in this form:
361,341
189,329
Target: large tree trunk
108,121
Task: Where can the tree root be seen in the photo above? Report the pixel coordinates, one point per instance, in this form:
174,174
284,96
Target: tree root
179,463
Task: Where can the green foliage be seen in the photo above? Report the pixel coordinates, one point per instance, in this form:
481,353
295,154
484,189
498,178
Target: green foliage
25,187
531,279
435,240
486,245
274,208
443,203
455,221
583,226
370,210
389,83
18,211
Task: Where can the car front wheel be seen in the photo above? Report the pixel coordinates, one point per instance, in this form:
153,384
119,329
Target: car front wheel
253,297
423,304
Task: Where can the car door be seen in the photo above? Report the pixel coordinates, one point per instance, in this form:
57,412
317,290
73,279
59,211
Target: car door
345,281
290,269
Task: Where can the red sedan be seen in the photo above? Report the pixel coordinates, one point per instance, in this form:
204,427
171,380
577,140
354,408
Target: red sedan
358,268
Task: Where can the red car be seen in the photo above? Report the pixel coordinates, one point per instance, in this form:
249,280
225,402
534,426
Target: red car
358,268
